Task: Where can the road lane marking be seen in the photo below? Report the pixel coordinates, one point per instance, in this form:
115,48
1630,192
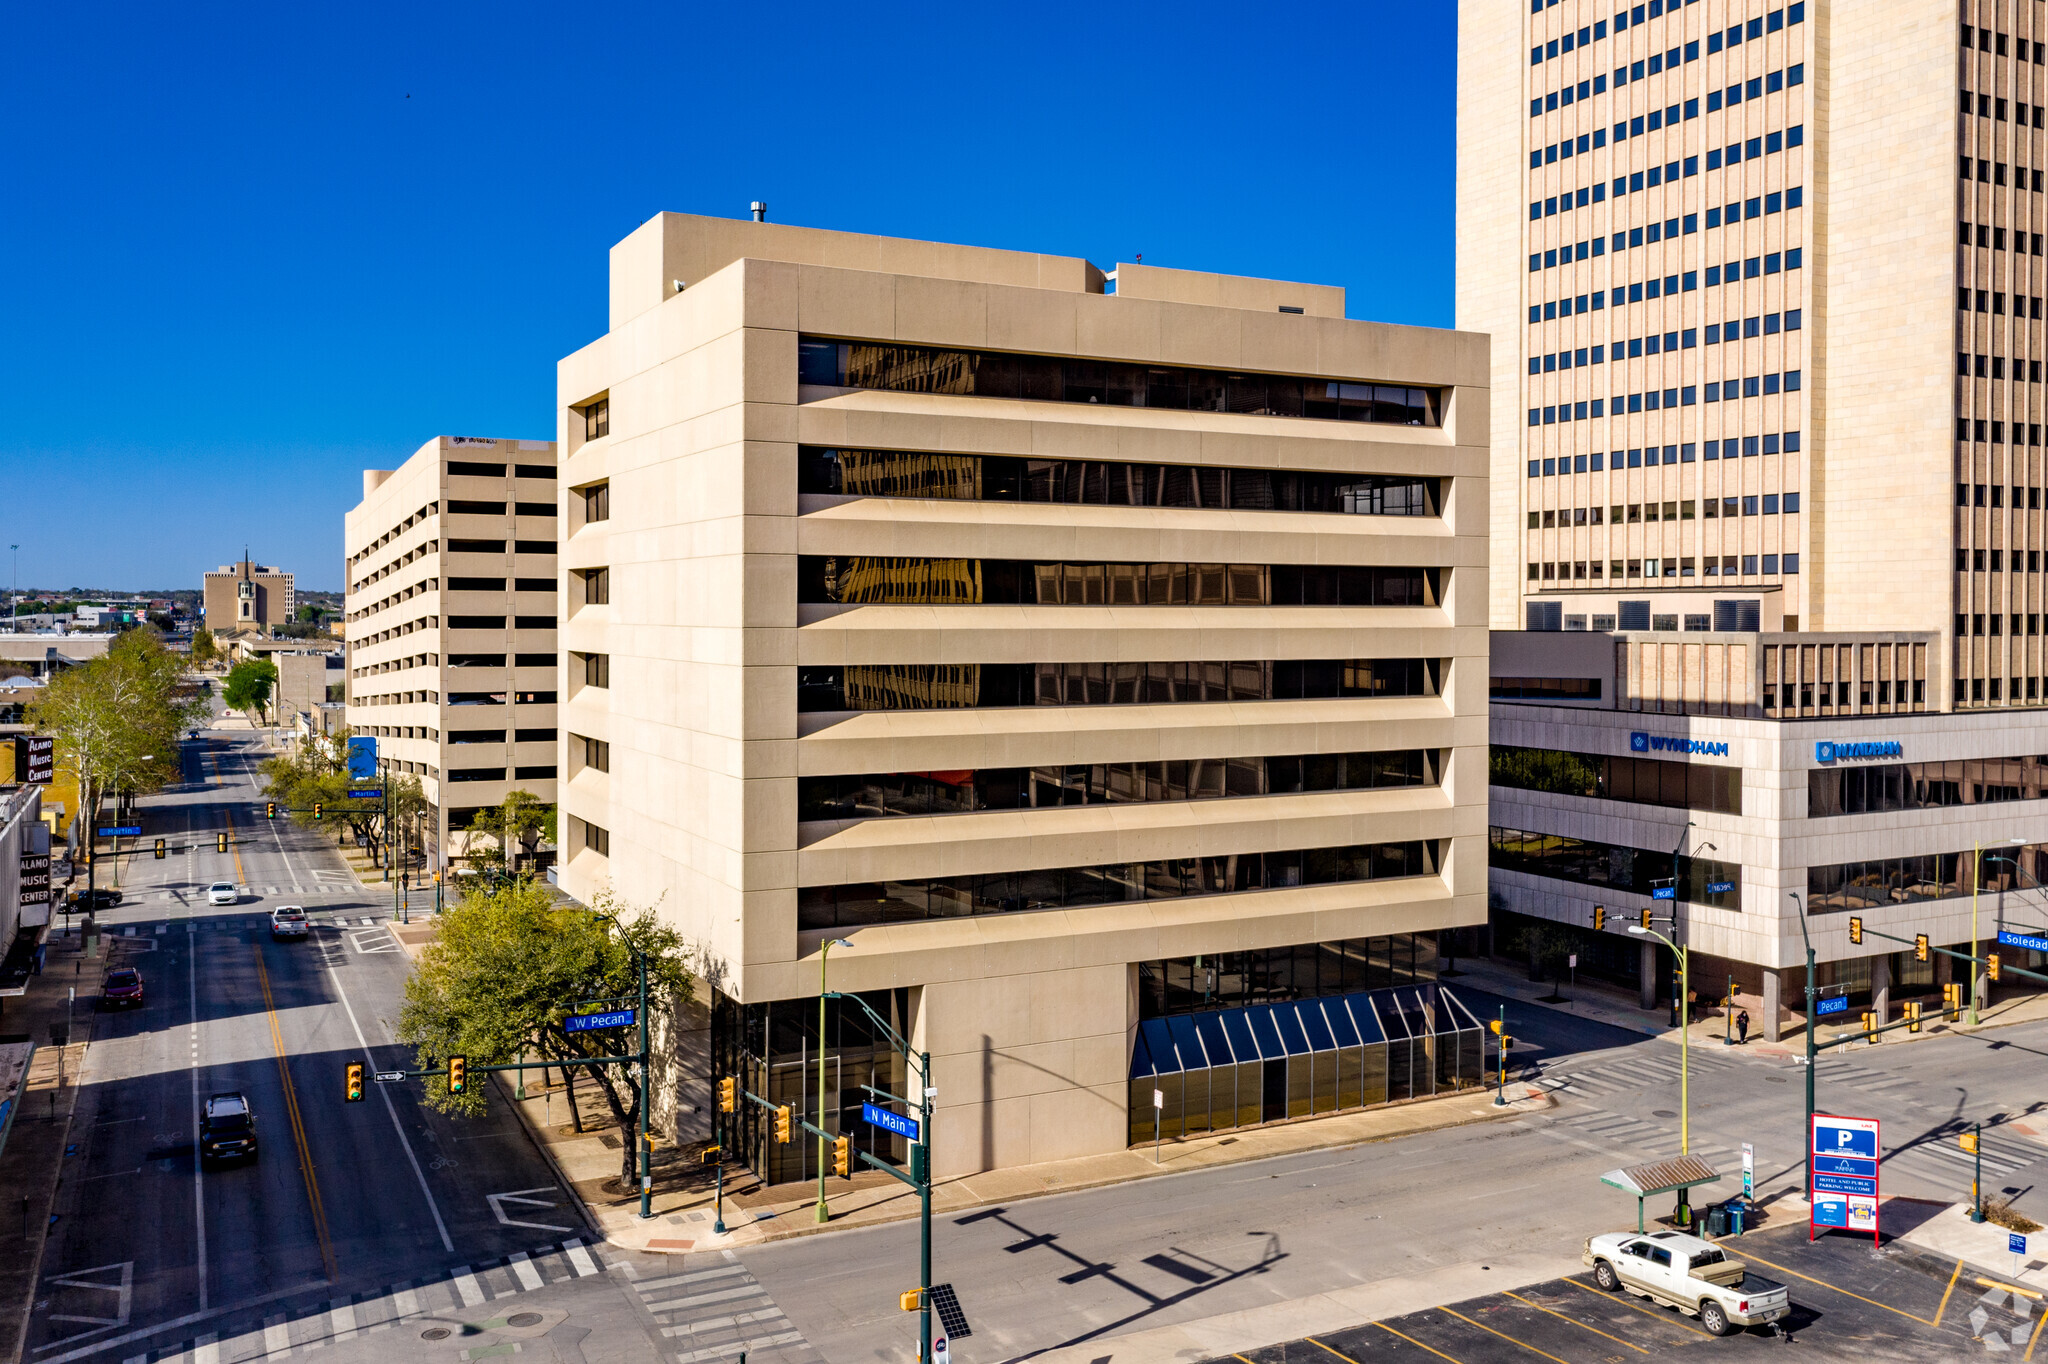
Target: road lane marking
1750,1255
391,1109
523,1270
1503,1335
291,1108
1576,1322
198,1165
465,1283
523,1197
579,1257
277,1340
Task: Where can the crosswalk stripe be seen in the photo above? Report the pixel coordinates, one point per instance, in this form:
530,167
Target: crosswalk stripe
466,1284
722,1323
276,1339
580,1258
342,1312
408,1302
206,1349
698,1276
751,1291
726,1351
523,1270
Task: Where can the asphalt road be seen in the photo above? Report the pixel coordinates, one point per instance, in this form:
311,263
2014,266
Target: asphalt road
354,1214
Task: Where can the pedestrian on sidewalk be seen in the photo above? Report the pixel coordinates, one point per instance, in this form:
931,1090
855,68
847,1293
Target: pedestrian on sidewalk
1742,1028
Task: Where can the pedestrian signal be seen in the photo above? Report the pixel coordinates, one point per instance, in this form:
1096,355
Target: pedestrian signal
712,1155
354,1092
1496,1025
1991,966
1912,1015
1646,918
1599,919
728,1095
159,850
1506,1043
220,842
1856,930
1919,947
1951,996
842,1157
458,1078
911,1300
1869,1024
1969,1142
782,1126
270,810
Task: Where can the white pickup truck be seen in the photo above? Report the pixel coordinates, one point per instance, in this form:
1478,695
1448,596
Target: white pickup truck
1688,1273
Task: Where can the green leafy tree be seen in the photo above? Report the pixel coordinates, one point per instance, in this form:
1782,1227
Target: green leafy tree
521,820
204,650
511,963
117,719
315,772
249,687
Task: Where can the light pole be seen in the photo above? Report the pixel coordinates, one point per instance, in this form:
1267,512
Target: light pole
1976,879
824,955
14,614
1684,1034
646,1089
1811,1052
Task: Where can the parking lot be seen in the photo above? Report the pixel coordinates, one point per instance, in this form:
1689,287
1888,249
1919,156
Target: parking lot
1850,1301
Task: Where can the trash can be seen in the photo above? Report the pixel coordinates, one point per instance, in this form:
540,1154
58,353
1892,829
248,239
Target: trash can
1716,1220
1737,1211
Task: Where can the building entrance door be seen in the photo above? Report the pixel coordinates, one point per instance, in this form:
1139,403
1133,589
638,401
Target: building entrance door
1273,1101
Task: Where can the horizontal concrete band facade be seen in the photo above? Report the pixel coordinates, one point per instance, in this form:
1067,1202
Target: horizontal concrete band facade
1030,1016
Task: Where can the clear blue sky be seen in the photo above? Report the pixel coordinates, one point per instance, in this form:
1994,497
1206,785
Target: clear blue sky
252,250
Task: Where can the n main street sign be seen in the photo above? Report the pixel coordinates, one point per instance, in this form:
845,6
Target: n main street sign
876,1116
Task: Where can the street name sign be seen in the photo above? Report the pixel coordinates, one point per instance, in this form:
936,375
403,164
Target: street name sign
376,794
876,1116
1845,1174
1837,1005
2034,941
120,830
617,1018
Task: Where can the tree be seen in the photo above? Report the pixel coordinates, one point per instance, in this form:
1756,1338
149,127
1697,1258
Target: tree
249,686
203,648
520,818
511,964
117,719
315,772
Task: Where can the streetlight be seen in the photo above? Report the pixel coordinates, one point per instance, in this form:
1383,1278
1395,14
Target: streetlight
824,955
1811,1052
1976,878
2021,871
1684,1034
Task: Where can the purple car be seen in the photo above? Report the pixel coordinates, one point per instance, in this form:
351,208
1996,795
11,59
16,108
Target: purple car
121,989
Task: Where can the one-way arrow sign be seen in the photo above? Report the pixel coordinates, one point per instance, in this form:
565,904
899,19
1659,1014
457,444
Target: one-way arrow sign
385,1077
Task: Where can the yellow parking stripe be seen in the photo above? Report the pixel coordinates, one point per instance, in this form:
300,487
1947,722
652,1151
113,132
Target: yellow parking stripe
2035,1339
1505,1336
291,1108
1574,1321
2010,1288
1956,1274
1750,1255
1411,1340
1621,1300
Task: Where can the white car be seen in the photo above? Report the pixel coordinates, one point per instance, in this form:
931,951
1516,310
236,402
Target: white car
288,921
1689,1273
223,893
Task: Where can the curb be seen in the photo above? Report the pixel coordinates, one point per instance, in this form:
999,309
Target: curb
561,1176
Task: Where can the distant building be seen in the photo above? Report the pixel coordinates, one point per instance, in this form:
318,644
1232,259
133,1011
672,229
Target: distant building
450,621
248,597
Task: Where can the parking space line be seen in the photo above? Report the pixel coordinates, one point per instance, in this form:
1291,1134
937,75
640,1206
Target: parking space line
2035,1339
1505,1336
1410,1339
1575,1322
1957,1274
1621,1299
1320,1346
1843,1291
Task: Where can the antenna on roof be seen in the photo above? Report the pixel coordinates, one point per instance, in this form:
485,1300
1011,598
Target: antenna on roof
760,207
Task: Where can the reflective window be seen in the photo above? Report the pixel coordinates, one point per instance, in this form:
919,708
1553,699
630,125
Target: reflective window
953,686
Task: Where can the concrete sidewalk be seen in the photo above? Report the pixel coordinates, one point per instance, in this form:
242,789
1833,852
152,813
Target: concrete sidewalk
32,1165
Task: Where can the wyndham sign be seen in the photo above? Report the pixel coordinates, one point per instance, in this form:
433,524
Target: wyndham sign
1826,751
1639,742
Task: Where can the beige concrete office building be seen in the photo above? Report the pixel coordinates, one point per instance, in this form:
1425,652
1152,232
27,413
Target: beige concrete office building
451,622
247,598
1099,656
1764,282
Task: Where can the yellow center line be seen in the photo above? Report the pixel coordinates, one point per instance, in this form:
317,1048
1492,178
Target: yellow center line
1505,1336
1958,1272
1750,1255
1575,1322
1621,1301
291,1107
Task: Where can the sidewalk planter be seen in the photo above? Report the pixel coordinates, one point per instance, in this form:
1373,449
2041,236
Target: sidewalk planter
1301,1058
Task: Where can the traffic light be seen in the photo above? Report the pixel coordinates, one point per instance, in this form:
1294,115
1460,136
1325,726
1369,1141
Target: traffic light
711,1155
1599,919
1506,1043
1919,947
1991,966
1646,919
1951,997
911,1300
728,1095
782,1126
355,1082
318,807
270,810
1869,1024
1496,1025
1856,930
1968,1141
220,842
1912,1015
458,1077
842,1157
159,850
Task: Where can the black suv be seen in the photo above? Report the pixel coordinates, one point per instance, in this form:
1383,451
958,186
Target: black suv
228,1129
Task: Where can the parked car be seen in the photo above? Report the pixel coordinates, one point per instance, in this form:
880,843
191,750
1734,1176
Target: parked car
227,1129
1694,1275
223,893
288,921
92,901
121,988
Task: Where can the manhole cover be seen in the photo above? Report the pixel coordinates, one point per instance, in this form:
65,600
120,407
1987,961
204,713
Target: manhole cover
436,1333
1662,1113
523,1319
1774,1079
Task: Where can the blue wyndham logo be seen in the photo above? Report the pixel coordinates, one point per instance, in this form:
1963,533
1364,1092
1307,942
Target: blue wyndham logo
1639,742
1826,752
